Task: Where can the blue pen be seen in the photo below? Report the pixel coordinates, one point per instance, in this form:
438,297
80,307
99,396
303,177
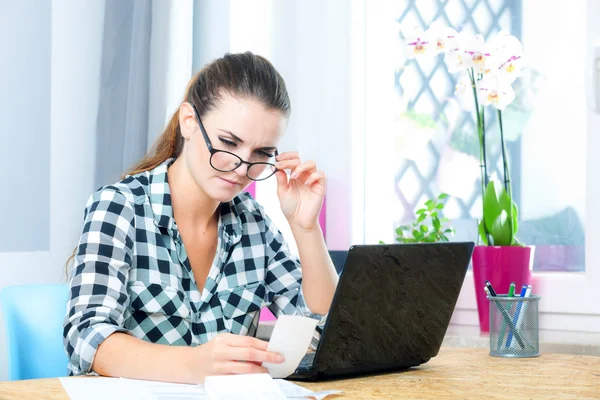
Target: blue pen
516,316
490,291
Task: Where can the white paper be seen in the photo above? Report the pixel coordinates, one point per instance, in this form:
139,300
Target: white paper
251,386
293,391
169,391
102,388
245,387
291,337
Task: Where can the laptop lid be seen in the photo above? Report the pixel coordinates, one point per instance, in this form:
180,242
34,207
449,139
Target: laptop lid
392,306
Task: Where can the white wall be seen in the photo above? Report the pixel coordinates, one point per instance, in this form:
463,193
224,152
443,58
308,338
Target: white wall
75,71
25,126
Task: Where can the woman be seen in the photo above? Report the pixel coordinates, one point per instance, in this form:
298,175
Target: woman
175,262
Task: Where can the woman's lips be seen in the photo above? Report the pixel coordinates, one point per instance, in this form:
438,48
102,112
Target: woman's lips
230,183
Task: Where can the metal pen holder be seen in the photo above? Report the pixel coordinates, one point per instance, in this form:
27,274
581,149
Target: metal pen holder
514,328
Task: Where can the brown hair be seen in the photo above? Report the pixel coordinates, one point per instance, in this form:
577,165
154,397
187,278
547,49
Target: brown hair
243,75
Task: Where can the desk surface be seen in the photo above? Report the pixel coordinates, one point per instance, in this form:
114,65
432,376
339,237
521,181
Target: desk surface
456,372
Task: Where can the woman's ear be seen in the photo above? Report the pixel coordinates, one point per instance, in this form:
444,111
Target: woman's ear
187,120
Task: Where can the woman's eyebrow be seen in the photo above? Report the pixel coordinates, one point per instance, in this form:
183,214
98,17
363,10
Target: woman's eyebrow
238,139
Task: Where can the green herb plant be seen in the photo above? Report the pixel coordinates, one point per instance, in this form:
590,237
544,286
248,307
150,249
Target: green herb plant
428,226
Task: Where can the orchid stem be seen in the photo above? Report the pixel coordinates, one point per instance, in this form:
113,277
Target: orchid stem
507,183
482,156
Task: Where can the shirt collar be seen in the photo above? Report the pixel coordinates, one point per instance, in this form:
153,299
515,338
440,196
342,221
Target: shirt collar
230,223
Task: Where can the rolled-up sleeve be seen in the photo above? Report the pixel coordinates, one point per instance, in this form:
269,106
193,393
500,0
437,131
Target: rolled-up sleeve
284,280
98,288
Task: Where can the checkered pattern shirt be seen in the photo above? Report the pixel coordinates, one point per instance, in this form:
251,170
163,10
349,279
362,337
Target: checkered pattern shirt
132,273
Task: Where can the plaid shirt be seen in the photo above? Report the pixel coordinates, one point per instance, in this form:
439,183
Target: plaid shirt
132,273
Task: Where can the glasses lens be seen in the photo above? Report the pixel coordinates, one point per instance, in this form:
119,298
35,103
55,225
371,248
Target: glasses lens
224,161
260,171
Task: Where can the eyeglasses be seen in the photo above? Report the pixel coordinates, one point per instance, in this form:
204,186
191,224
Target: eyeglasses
225,161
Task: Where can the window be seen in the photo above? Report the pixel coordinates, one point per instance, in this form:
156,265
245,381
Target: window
406,163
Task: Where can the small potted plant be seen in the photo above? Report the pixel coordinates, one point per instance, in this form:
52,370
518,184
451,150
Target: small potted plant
429,226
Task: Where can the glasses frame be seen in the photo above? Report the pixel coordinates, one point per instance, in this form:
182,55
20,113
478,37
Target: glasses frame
214,151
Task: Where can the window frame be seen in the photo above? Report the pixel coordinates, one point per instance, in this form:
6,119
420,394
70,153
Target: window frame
569,299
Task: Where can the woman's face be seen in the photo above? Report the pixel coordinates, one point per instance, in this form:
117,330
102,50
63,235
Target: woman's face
241,126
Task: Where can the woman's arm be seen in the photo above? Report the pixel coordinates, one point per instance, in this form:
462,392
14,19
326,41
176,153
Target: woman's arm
301,197
122,355
319,277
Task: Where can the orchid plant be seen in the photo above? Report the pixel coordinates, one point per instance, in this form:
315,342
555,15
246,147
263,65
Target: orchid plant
487,72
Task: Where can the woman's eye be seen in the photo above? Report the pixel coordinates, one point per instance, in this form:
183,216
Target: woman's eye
228,143
265,154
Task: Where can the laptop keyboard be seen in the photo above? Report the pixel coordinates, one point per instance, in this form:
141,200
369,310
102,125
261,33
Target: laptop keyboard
307,361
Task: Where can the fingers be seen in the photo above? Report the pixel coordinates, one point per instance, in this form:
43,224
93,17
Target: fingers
306,167
253,355
288,155
288,164
318,176
244,341
235,367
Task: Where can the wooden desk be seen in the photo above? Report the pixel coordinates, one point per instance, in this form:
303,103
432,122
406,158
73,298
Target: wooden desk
455,372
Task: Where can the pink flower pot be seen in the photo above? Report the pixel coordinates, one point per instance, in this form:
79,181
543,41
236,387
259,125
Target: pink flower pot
500,265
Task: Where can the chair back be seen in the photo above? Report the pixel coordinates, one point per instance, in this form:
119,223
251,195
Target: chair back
33,316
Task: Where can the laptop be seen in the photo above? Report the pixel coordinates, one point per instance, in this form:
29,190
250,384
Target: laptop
390,310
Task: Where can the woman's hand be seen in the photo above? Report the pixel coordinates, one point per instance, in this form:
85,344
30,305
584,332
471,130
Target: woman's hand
228,354
301,197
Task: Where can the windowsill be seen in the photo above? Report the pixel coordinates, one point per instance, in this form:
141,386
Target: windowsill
563,342
551,341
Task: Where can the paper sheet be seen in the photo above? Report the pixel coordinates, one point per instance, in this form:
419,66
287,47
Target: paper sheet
291,337
247,387
243,385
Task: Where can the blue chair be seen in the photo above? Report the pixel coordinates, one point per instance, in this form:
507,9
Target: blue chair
33,315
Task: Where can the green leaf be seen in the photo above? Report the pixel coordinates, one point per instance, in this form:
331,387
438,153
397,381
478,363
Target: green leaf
436,223
449,230
424,228
429,239
429,203
421,218
421,211
515,219
442,196
381,242
445,238
482,233
501,231
417,234
493,202
434,214
439,206
399,231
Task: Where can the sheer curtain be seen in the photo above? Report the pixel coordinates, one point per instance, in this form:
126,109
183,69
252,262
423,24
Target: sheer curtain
145,66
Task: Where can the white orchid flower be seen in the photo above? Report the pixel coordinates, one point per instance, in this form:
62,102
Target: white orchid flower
495,90
507,55
475,53
416,43
463,92
456,58
442,38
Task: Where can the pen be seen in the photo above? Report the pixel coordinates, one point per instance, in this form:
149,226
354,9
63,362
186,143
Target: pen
511,289
504,315
511,293
517,314
490,288
523,309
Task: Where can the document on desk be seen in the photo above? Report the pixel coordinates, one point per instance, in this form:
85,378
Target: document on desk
248,387
291,337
